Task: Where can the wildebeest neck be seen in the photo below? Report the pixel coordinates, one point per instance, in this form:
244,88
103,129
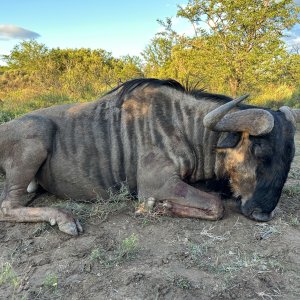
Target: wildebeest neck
188,116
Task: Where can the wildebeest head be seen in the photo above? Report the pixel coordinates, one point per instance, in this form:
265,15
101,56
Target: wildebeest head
255,153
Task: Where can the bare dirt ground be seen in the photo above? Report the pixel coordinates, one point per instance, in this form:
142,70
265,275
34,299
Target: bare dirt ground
122,256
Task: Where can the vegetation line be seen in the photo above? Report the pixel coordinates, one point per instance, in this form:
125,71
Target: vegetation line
237,47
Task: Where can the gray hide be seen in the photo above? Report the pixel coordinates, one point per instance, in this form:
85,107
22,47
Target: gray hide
155,141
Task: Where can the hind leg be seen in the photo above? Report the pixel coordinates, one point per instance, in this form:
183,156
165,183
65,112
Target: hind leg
21,167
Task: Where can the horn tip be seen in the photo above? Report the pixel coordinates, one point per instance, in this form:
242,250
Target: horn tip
242,98
245,96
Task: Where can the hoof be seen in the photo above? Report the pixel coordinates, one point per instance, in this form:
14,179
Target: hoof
67,223
72,228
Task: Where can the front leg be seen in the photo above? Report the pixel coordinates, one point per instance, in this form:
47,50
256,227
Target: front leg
160,182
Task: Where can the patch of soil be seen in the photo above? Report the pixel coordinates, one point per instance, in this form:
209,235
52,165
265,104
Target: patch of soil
129,257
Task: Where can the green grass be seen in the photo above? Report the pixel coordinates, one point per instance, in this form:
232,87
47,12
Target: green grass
291,190
126,250
128,247
277,96
231,261
294,172
212,254
294,221
51,281
182,283
251,262
18,101
96,254
6,116
14,105
9,278
8,275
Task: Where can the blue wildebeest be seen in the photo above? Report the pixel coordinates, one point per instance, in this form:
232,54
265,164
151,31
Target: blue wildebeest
158,138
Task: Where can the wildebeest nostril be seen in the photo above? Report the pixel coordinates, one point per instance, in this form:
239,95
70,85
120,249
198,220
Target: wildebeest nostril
246,211
262,217
256,214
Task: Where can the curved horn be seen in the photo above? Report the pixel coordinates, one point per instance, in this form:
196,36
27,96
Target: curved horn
289,115
254,121
292,115
213,117
296,113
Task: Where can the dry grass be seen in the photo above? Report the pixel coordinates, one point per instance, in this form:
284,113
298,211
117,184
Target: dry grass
100,208
126,250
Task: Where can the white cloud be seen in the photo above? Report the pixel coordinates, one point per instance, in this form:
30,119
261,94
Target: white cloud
293,36
9,32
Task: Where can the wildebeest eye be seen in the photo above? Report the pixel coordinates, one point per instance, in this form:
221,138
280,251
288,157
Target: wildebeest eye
261,151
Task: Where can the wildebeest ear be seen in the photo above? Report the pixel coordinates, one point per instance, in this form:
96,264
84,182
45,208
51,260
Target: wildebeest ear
230,140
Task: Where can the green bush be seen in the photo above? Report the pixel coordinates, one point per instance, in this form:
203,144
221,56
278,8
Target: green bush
273,96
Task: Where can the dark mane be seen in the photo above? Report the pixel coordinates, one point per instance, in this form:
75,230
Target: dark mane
198,94
127,87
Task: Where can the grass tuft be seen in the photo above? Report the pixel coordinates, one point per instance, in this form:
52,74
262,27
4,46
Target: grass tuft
51,281
99,208
128,247
291,191
8,275
294,221
294,172
125,251
117,201
183,283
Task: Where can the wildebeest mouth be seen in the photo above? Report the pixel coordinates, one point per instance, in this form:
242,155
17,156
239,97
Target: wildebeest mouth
256,214
262,217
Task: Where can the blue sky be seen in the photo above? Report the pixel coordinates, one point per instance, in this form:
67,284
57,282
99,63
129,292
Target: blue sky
120,26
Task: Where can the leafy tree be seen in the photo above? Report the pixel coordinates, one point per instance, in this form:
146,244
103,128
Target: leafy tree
243,37
26,56
129,67
157,56
79,73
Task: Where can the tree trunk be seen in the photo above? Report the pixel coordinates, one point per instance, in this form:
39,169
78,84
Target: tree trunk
234,85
